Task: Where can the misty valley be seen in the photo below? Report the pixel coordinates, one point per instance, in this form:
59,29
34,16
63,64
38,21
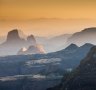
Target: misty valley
64,62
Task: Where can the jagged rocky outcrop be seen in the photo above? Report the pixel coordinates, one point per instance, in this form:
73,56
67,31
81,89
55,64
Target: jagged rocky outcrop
13,37
83,77
15,42
31,40
85,36
34,49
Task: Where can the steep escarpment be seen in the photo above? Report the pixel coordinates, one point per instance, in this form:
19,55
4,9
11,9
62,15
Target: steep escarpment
83,77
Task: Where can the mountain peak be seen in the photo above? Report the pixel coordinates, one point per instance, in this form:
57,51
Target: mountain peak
71,47
31,39
87,45
13,35
91,29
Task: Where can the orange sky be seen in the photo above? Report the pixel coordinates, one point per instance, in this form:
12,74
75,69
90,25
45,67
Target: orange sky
47,27
26,14
29,9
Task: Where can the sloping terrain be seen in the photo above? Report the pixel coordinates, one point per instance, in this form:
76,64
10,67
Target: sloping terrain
83,77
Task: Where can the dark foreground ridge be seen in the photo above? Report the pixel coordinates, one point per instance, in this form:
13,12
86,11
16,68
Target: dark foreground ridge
83,77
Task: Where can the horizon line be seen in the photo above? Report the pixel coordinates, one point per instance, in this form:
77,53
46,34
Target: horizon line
34,19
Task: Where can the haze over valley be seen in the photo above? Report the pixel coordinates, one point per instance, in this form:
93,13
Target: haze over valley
47,45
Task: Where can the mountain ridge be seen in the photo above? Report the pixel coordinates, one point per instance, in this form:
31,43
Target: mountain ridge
83,77
87,35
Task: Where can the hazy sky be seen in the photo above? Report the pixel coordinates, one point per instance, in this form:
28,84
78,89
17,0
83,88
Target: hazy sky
28,9
27,15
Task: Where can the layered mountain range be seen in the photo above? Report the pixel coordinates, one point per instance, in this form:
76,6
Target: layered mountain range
60,42
50,44
22,71
70,56
45,64
32,69
85,36
15,41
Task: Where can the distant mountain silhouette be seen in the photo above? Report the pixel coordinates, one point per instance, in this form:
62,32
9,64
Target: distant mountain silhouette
72,47
15,42
21,34
31,39
13,37
87,35
35,49
83,77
